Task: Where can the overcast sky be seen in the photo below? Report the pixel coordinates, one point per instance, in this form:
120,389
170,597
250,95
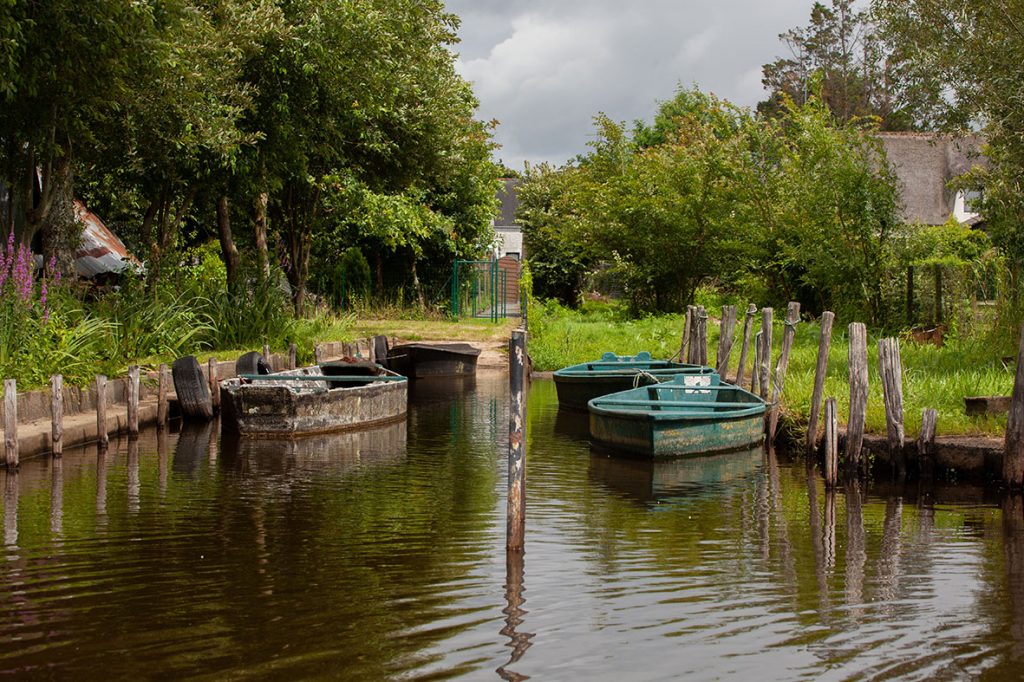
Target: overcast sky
544,69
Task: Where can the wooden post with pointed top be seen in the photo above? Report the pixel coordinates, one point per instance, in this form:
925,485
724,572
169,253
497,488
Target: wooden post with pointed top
101,412
782,366
517,442
11,423
133,400
820,371
57,415
1013,454
748,328
858,363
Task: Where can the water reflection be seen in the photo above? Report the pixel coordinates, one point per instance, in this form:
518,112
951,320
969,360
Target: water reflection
381,555
650,481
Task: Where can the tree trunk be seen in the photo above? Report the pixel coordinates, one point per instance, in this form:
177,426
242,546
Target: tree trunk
380,271
260,226
61,231
416,283
227,244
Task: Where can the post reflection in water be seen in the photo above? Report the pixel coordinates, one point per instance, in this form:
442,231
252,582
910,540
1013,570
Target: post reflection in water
856,554
162,448
1013,549
817,535
892,548
133,475
514,612
57,497
11,509
101,485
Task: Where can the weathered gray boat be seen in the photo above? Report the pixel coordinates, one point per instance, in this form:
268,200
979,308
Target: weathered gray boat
317,399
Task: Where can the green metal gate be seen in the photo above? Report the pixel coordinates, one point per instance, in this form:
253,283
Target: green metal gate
480,290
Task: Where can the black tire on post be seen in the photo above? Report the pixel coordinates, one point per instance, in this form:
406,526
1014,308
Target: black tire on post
192,388
380,350
252,363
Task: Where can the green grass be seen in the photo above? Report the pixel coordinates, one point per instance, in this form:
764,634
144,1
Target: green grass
938,378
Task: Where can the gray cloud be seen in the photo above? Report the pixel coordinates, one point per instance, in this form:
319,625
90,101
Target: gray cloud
544,69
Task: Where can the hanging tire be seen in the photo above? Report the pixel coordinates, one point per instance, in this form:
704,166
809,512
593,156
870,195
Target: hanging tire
192,388
252,363
380,350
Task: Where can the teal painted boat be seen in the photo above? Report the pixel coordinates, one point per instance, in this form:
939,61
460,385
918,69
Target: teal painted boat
577,385
689,415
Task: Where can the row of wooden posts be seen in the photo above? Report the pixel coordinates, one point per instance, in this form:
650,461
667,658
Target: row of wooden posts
11,450
769,385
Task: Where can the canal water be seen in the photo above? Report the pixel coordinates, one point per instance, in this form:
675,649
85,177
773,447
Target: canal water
380,555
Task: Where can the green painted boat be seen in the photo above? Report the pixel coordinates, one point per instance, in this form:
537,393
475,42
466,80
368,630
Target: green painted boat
689,415
577,385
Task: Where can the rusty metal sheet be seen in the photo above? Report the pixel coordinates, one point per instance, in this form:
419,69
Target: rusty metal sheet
101,251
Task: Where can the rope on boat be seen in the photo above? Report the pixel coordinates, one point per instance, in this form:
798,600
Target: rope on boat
646,376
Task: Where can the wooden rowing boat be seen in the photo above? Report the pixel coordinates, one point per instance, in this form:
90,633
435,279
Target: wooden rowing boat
689,415
577,385
318,399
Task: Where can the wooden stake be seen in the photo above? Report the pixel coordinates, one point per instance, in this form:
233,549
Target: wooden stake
266,353
293,352
702,335
725,334
133,400
748,328
213,376
1013,456
831,443
892,395
161,396
57,415
782,366
764,380
517,442
755,371
858,362
824,342
101,412
317,354
685,341
11,423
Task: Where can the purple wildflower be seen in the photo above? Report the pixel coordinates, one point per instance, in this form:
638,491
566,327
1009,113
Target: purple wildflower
42,294
23,273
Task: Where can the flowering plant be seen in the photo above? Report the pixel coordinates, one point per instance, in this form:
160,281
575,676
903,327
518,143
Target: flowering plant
24,311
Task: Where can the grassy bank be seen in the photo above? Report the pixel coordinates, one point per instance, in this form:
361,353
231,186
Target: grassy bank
933,377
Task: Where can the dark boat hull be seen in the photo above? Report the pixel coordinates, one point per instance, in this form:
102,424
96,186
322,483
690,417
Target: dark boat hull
579,384
422,361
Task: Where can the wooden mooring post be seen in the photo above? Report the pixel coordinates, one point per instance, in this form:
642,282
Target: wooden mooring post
266,353
748,329
858,363
213,377
765,370
892,395
831,444
101,412
701,326
11,424
782,366
1013,454
684,343
57,415
726,330
161,396
820,371
755,371
133,400
293,352
515,534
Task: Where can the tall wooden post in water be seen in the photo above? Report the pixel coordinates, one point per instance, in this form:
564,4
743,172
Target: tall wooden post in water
748,327
782,366
1013,456
820,371
858,363
516,441
11,423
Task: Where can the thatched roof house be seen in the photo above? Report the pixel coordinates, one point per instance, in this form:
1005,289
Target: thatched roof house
925,163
